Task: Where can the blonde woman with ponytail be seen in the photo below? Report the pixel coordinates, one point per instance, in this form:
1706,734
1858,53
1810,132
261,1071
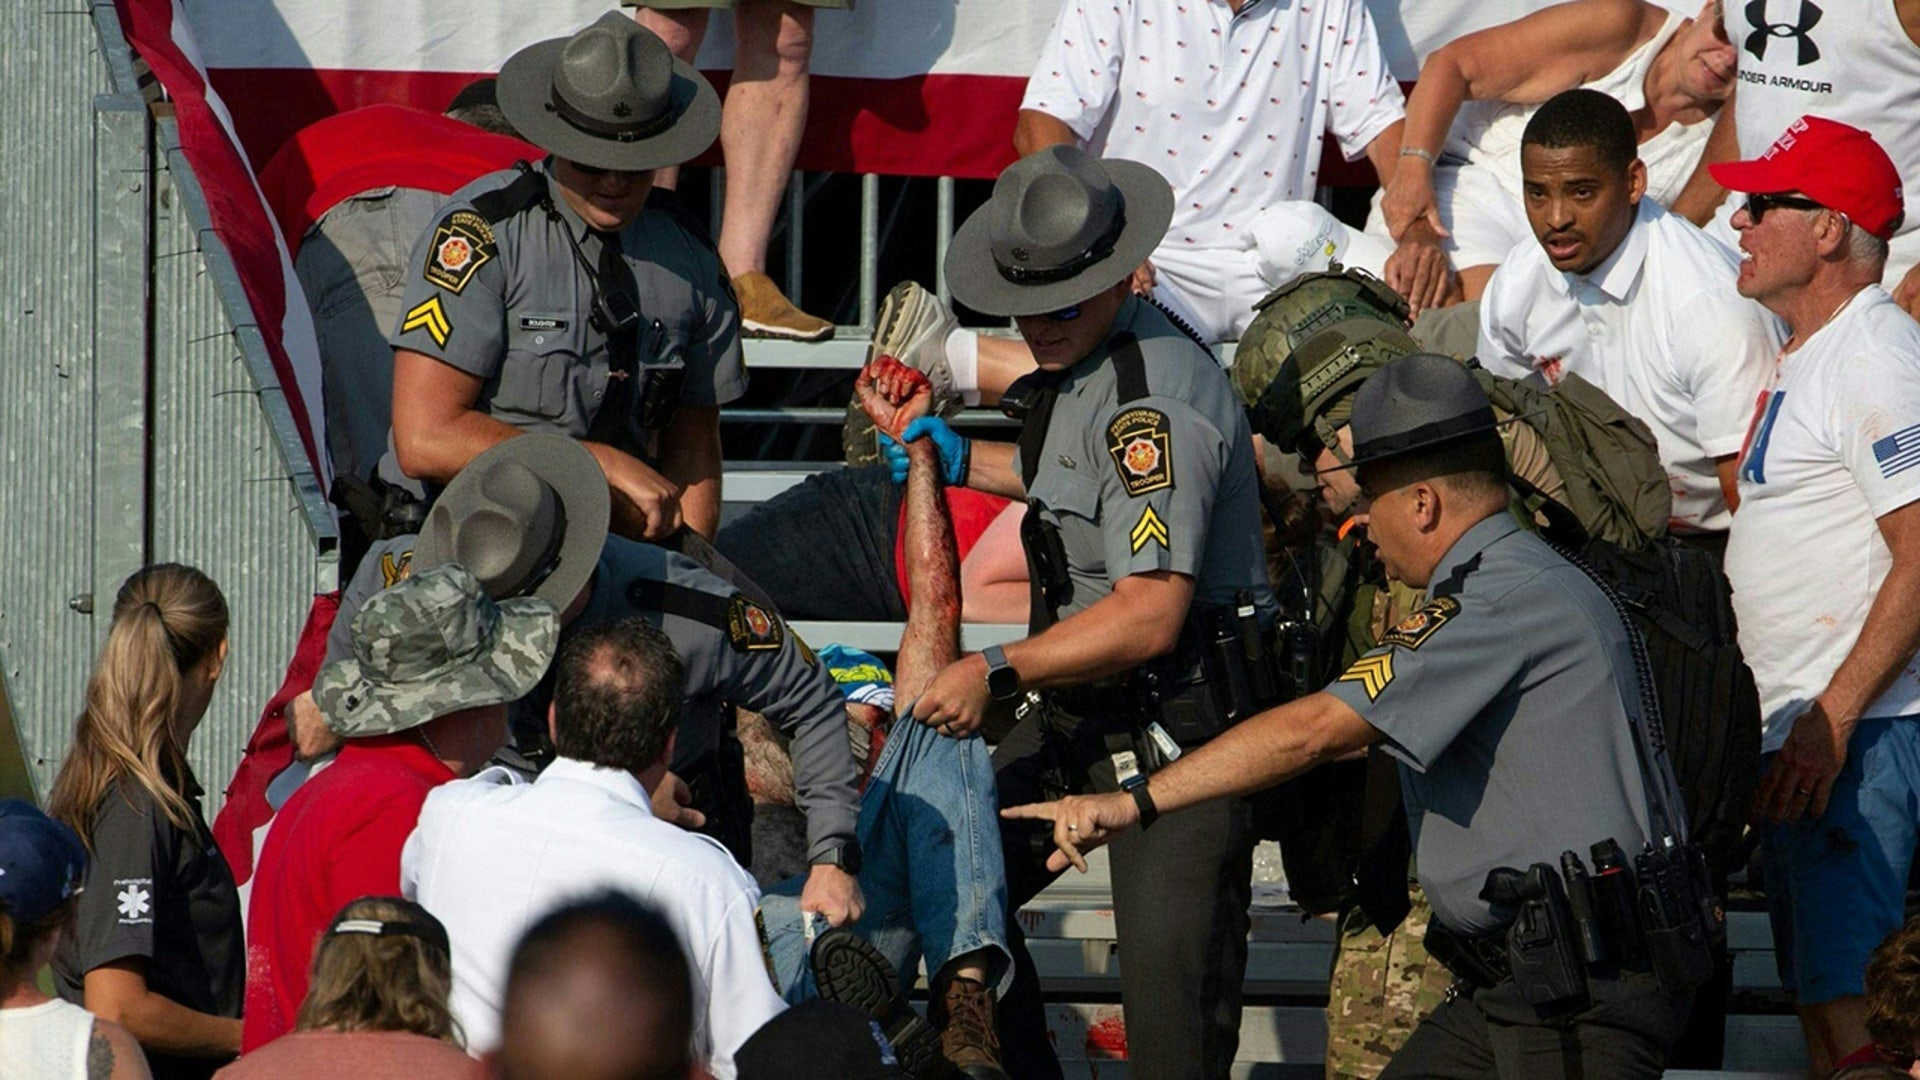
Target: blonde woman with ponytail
157,944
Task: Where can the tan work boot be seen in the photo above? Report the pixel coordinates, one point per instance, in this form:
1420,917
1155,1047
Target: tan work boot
968,1039
765,312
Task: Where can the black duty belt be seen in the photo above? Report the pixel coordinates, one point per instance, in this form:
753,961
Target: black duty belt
1101,700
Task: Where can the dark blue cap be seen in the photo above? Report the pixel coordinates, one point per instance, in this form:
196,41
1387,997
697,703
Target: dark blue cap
42,862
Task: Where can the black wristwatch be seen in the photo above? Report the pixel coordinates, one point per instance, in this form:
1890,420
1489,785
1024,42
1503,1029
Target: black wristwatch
1002,681
845,855
1143,801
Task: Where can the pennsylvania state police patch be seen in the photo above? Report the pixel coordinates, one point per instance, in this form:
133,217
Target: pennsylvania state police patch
752,628
461,245
1413,631
1141,442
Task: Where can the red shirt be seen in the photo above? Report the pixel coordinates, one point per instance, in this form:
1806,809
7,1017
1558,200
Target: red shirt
972,511
338,839
332,160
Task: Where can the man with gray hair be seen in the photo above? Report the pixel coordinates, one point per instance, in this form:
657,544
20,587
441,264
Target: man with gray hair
1828,479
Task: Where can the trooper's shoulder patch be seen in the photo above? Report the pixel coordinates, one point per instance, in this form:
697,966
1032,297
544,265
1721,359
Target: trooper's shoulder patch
752,628
394,566
1413,631
462,244
1373,673
1141,442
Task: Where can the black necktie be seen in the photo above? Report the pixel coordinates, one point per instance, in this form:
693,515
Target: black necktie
614,294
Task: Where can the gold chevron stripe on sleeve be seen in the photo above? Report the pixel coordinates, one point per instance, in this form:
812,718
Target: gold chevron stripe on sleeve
431,316
1373,673
1150,527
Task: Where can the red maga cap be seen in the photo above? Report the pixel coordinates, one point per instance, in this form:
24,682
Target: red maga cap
1835,165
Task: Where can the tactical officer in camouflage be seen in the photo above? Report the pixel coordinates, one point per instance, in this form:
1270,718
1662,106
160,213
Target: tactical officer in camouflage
1310,347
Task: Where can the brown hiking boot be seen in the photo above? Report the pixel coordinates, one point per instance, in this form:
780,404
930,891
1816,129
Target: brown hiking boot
765,312
964,1015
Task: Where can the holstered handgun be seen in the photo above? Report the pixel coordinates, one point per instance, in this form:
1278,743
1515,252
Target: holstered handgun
1542,949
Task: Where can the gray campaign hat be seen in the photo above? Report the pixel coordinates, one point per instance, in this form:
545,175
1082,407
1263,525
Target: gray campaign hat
434,644
1061,226
528,517
611,97
1421,401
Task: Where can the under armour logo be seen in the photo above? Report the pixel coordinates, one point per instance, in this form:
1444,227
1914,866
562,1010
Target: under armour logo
1763,30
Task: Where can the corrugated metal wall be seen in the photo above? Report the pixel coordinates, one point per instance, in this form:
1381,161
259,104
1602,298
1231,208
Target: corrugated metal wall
131,428
50,70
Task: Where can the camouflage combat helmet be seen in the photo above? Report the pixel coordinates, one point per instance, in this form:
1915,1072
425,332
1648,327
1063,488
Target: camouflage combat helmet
1353,323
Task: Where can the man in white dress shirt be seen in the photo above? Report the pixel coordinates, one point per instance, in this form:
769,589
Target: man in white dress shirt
491,857
1633,299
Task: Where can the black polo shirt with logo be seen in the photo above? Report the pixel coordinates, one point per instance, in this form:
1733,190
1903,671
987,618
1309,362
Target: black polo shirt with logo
165,895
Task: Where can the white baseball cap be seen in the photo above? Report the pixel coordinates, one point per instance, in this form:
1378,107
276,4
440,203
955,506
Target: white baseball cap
1300,237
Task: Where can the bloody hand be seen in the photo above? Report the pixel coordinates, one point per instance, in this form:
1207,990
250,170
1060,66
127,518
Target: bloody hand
892,394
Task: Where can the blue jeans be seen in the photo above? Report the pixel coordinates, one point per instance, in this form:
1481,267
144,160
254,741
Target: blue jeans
932,874
1836,886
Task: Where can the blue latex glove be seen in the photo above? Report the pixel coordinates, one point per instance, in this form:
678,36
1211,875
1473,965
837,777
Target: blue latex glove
955,451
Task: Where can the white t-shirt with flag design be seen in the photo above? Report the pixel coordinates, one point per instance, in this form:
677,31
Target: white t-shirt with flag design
1834,445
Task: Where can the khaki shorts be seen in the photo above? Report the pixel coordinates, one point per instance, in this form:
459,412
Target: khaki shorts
683,5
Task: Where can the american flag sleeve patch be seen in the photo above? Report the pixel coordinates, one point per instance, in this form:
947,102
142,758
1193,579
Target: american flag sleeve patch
1898,452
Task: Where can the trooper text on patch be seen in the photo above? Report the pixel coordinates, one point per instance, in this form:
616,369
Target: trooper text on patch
461,245
1140,441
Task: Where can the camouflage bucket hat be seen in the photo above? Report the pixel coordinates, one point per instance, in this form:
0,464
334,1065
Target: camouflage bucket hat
1301,403
431,645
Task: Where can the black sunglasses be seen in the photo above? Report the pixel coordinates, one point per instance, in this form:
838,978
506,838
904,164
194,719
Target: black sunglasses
1065,314
1758,205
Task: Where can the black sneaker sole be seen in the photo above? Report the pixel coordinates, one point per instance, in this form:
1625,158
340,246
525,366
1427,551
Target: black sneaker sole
848,969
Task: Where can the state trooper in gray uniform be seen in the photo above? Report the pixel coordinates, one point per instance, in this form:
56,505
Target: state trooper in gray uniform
1143,540
1548,831
564,297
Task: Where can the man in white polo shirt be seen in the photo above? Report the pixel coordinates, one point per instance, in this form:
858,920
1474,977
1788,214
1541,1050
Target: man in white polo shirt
1633,299
1232,102
1825,563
